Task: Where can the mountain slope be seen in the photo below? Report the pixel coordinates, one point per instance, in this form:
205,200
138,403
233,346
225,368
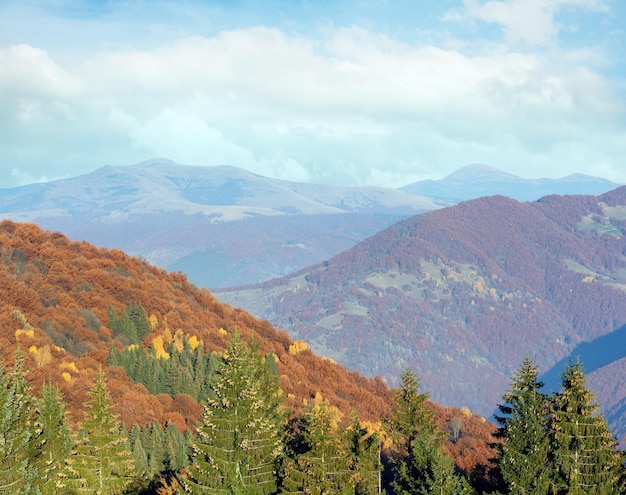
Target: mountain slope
56,294
462,294
475,181
190,218
56,301
224,226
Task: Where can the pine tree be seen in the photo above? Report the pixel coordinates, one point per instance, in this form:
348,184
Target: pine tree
239,439
154,443
586,458
422,467
19,432
137,315
56,438
364,445
321,464
101,462
140,458
411,416
433,470
524,453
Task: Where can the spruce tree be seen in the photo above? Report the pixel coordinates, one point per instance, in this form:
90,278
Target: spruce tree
140,458
422,467
238,442
19,432
101,462
524,450
56,438
175,448
364,448
322,463
585,454
137,315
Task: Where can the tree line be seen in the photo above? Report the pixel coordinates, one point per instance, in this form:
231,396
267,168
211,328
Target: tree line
248,442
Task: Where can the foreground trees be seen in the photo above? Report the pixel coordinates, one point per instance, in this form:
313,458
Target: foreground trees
585,456
20,446
101,462
239,441
556,444
422,466
524,454
56,439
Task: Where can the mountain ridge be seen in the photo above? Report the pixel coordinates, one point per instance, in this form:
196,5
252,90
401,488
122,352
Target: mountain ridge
476,180
189,217
225,226
461,294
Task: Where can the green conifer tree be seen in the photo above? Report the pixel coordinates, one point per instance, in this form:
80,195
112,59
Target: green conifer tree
101,462
154,443
56,438
585,454
320,459
140,458
364,462
239,439
524,452
19,432
422,466
176,448
137,315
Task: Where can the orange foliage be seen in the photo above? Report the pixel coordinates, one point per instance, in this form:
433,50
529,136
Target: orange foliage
53,280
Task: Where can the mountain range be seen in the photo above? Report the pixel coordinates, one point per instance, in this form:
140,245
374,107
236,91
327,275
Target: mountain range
475,181
462,294
224,226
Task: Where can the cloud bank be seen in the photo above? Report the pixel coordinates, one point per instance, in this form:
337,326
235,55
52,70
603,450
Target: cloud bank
342,104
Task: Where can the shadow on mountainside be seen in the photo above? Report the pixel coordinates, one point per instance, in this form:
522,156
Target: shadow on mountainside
593,355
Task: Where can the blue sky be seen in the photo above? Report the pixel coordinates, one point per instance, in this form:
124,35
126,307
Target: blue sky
349,92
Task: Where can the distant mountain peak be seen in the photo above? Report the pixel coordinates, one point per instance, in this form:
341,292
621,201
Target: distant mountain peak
479,172
476,180
157,162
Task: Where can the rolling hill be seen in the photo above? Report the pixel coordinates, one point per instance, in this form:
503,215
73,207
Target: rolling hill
475,181
58,303
221,225
464,293
224,226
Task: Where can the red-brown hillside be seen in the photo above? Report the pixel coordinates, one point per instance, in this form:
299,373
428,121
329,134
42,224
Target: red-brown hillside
464,293
54,298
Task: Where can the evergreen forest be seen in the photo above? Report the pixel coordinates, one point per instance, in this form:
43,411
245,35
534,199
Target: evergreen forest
119,378
248,441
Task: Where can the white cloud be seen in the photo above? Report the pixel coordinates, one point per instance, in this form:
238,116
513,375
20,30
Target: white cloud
350,106
33,87
22,177
529,21
30,70
184,137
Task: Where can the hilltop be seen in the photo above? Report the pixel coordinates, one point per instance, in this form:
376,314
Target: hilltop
224,226
477,180
463,294
221,224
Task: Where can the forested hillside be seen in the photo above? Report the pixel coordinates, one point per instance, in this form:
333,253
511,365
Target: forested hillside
464,293
57,298
184,217
77,314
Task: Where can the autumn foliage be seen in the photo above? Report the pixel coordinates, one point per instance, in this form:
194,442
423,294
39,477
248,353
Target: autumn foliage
56,299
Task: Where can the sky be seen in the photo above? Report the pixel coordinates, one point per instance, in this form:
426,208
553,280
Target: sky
344,92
